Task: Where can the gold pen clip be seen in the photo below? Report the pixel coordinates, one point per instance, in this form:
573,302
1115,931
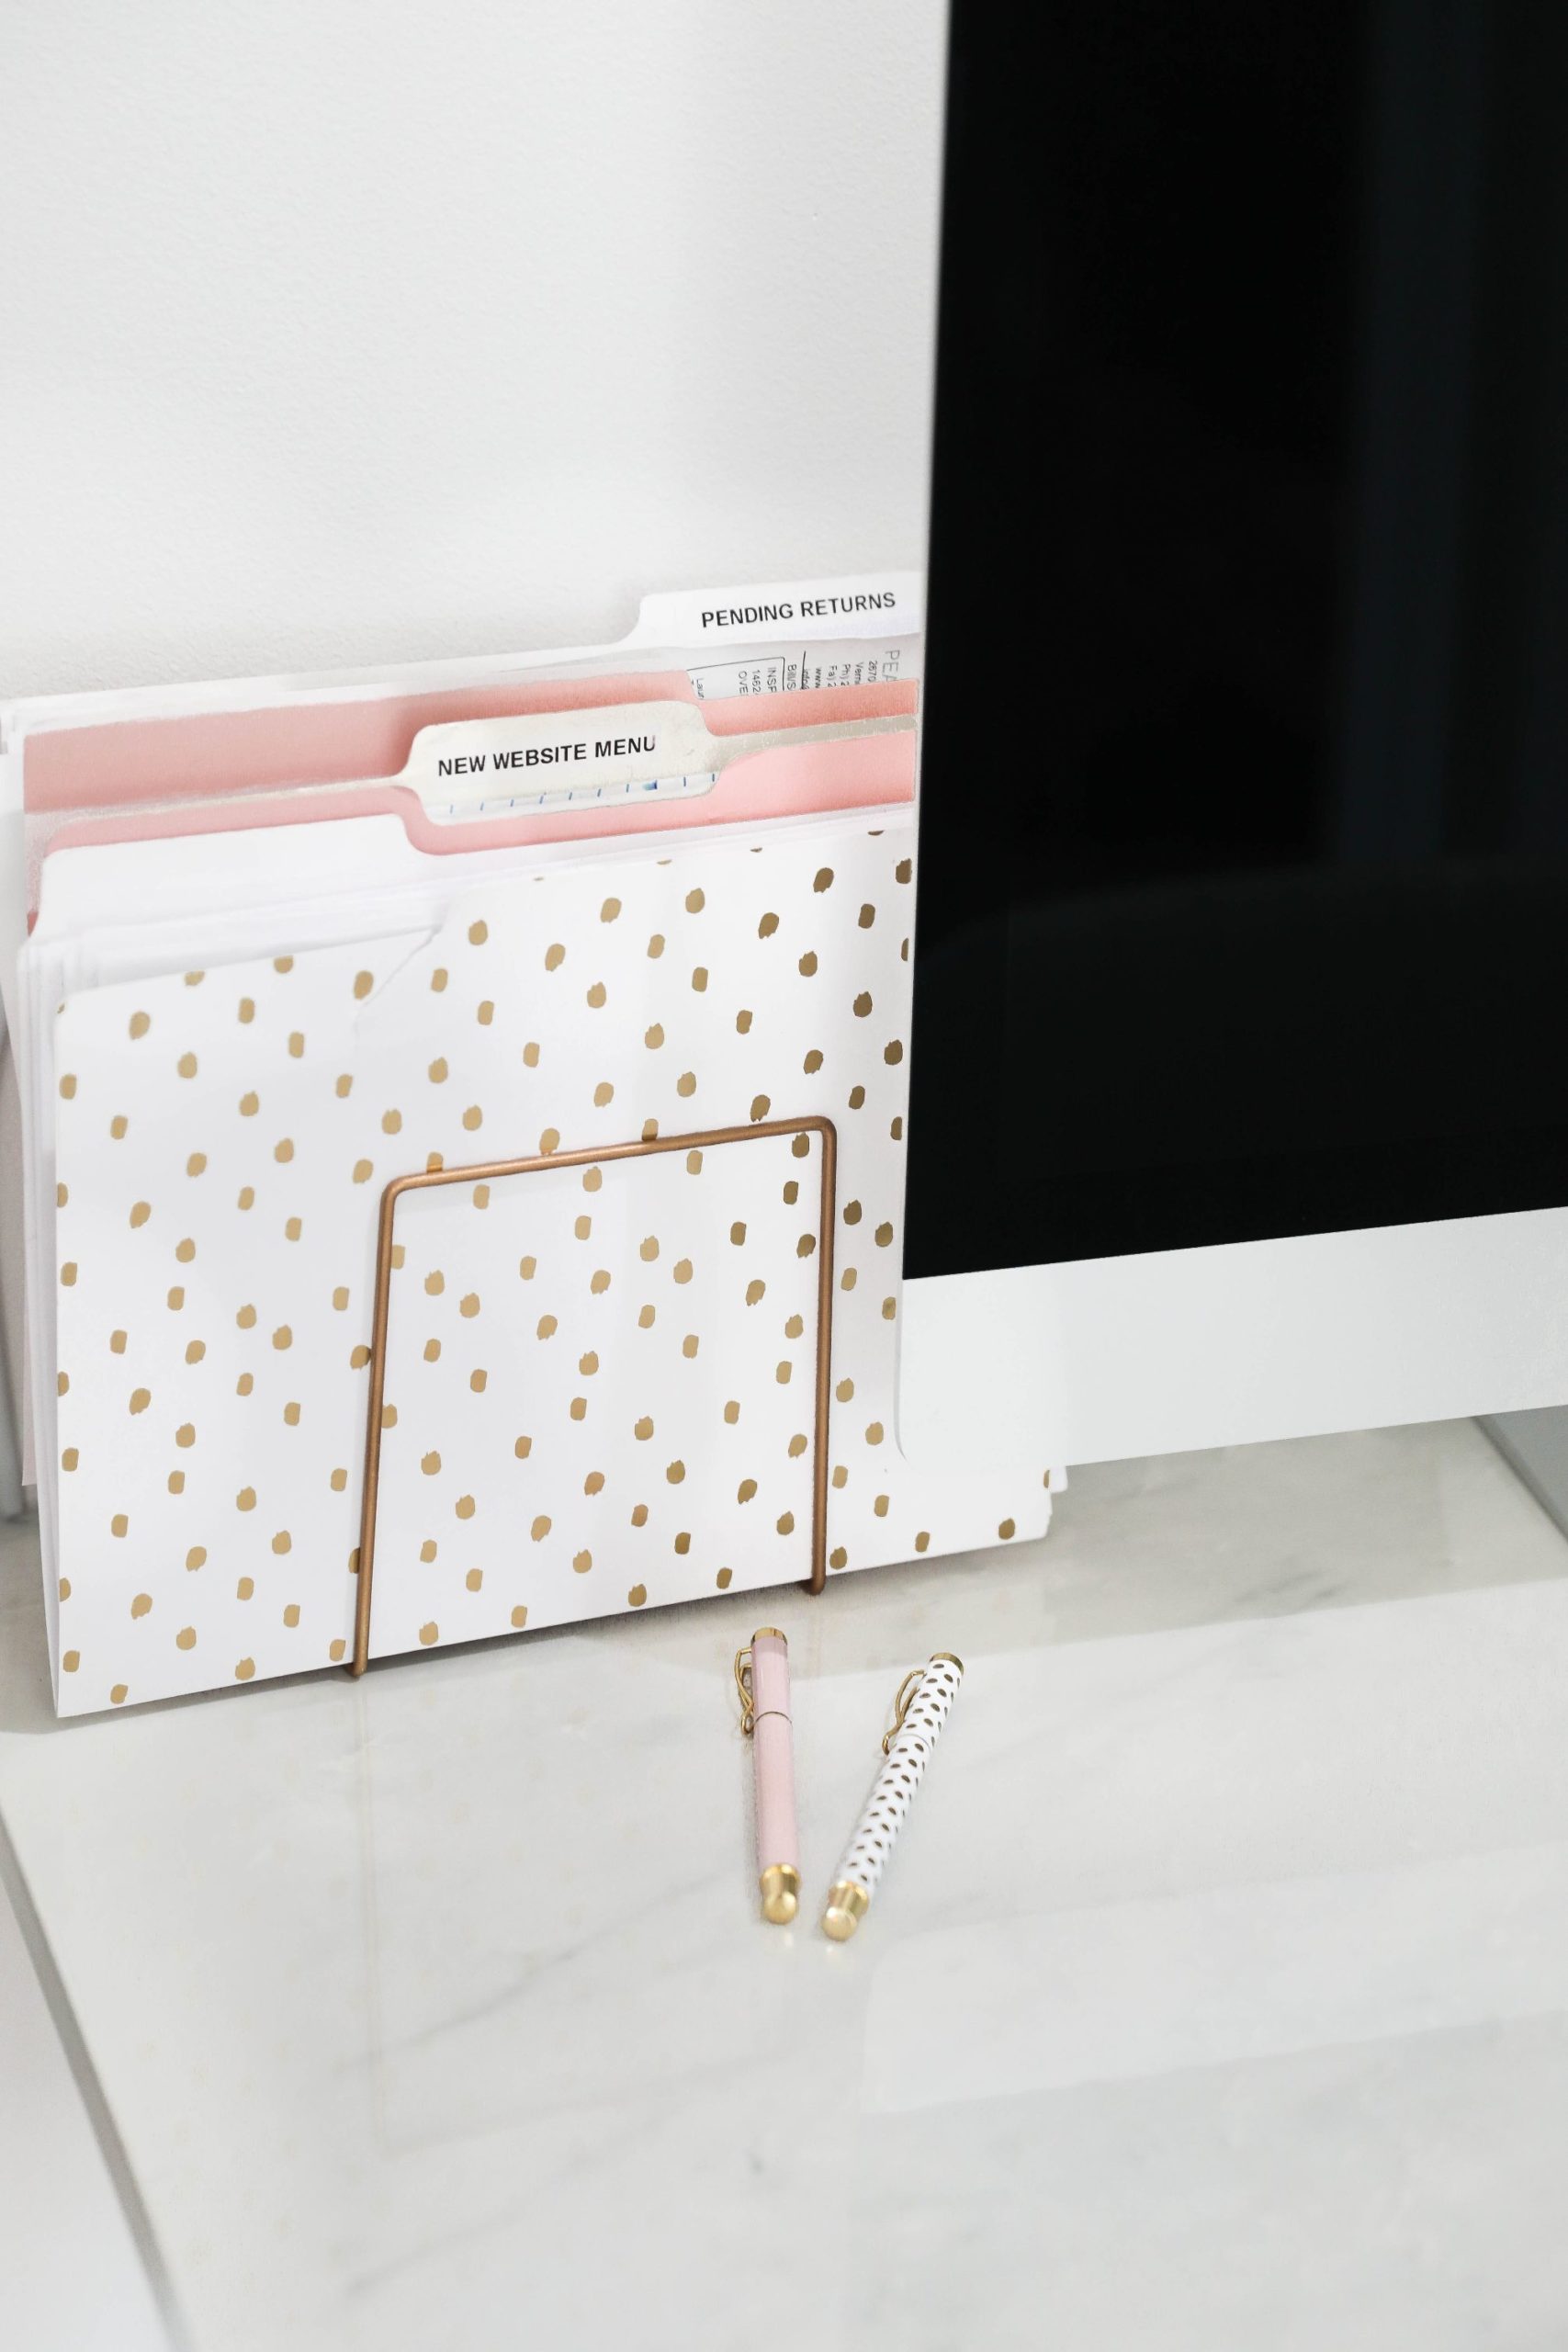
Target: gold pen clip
907,1692
901,1706
744,1668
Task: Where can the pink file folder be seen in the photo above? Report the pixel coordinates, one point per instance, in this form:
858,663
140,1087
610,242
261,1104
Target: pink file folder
230,771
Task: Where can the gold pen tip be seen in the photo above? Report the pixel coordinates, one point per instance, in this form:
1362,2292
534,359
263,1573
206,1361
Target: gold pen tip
780,1883
847,1907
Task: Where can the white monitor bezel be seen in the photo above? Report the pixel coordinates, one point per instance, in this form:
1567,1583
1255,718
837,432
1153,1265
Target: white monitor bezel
1106,1358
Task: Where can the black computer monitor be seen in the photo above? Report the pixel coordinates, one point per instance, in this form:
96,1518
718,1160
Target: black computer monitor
1244,882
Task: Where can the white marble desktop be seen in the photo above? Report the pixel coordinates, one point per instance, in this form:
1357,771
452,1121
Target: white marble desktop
72,2279
1215,1997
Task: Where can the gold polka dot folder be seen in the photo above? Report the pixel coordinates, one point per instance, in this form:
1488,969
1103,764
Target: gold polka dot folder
576,1220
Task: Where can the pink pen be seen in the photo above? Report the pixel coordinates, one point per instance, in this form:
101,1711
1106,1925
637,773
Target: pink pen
761,1674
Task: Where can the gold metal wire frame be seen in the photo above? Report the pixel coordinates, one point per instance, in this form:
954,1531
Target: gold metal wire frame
485,1172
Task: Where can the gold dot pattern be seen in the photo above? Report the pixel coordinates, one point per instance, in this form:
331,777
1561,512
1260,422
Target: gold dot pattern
652,1380
340,1078
893,1790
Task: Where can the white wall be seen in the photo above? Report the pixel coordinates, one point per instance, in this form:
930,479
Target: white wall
352,330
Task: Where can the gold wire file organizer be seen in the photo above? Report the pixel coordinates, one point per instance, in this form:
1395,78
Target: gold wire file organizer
480,1172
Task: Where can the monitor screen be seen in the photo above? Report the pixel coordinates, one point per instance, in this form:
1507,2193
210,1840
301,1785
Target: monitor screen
1243,878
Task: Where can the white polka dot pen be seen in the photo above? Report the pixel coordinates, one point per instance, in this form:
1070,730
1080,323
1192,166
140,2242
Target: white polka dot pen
906,1751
